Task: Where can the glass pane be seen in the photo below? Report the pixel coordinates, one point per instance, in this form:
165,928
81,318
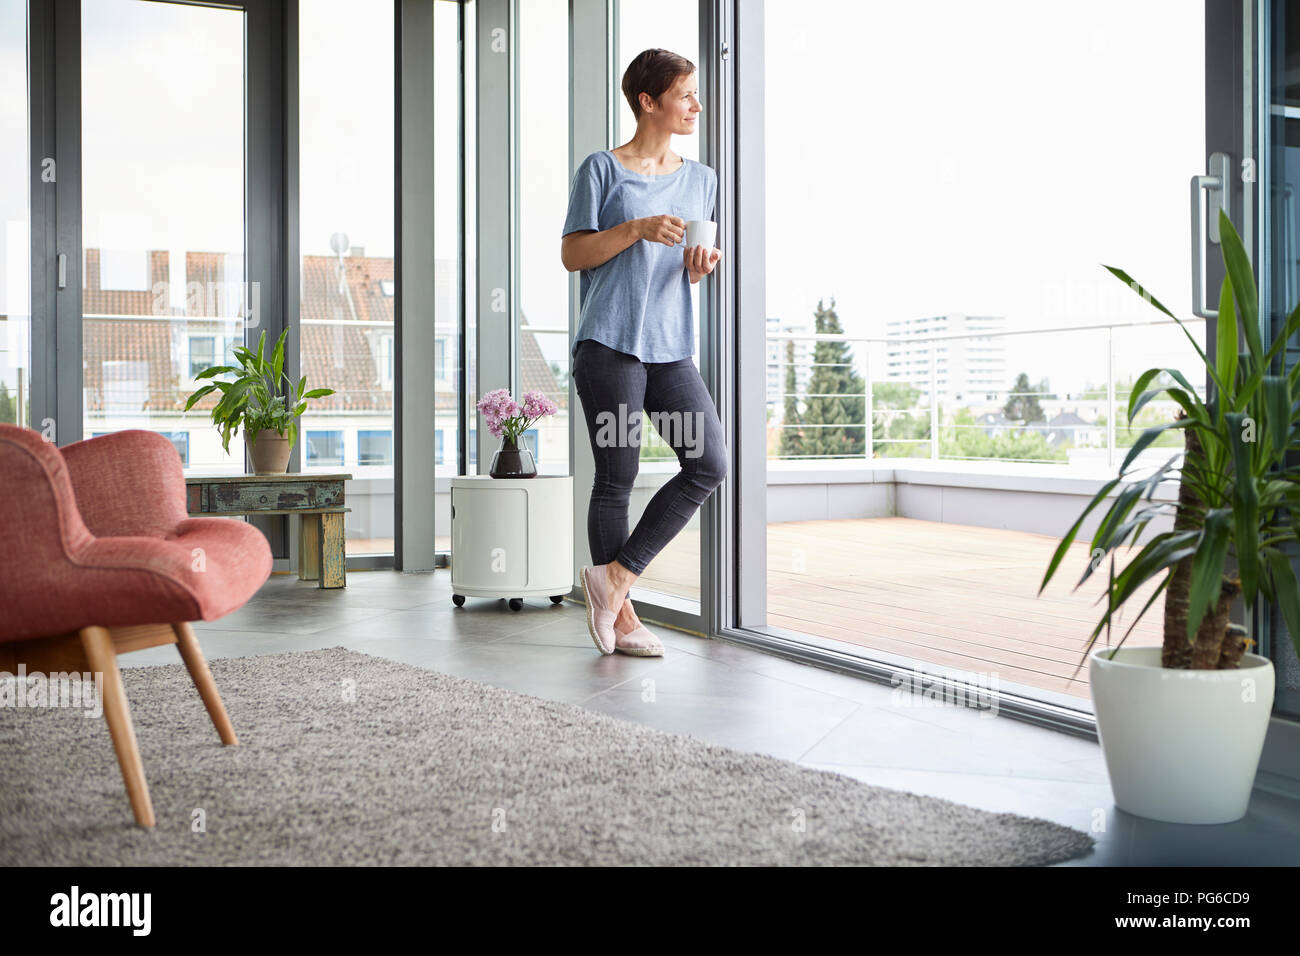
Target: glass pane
163,228
346,102
469,285
1284,239
447,255
15,214
954,355
672,25
543,334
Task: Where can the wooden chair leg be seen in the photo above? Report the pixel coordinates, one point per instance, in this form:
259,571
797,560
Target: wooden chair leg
197,665
102,657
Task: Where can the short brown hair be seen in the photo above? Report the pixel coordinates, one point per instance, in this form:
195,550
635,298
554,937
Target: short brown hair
652,72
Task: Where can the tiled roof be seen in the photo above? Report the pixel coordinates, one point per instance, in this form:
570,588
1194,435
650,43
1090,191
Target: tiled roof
136,364
535,373
128,365
97,301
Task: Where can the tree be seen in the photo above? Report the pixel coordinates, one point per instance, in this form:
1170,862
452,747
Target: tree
836,395
1022,405
899,427
561,377
792,443
963,440
8,407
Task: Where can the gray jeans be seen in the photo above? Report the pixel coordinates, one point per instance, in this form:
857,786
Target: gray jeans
615,389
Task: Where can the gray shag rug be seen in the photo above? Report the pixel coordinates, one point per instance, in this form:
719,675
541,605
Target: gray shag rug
350,759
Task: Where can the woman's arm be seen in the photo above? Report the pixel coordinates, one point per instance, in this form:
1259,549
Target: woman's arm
588,249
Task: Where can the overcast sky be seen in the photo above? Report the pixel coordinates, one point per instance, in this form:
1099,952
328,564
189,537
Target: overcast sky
985,158
922,158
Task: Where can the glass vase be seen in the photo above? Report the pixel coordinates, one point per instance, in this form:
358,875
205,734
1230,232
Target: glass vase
511,461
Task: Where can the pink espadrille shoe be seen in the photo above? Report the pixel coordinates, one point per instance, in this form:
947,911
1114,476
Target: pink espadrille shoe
600,619
638,642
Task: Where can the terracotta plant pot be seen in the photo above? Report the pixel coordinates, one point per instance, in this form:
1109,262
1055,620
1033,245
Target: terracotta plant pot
270,453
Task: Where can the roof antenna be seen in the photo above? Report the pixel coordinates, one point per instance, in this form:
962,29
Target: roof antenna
340,244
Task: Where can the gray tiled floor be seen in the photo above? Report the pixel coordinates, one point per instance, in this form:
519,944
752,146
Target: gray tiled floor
744,699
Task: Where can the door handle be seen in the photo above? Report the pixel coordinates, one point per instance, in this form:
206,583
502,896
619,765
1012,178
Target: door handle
1218,187
1284,242
63,270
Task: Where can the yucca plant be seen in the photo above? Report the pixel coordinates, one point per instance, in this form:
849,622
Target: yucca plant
1238,499
253,398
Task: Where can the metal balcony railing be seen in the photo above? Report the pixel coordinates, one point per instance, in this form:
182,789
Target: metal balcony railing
936,387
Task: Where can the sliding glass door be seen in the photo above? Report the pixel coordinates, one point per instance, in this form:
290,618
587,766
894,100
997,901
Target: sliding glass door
948,362
1281,175
675,573
603,40
346,241
542,329
162,178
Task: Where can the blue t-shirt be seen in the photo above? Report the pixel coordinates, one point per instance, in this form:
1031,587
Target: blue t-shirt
638,302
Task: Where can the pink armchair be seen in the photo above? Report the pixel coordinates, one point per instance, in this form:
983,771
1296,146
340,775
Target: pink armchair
101,558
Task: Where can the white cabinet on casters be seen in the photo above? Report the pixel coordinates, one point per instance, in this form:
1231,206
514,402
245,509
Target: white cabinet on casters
511,538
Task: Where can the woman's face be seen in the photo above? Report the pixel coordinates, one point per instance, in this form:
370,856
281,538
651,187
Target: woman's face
679,107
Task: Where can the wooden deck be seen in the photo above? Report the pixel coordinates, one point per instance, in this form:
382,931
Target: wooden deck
946,594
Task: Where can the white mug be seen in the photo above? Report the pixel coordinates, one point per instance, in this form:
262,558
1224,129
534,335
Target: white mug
701,232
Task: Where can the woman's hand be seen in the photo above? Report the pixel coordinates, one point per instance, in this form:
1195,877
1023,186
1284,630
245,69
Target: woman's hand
669,230
700,261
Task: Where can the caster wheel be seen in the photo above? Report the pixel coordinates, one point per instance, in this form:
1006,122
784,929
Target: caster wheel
516,604
557,598
458,600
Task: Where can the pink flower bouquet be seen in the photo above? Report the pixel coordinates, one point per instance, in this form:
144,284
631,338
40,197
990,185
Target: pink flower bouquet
506,417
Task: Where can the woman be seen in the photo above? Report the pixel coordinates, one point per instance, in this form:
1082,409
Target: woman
628,209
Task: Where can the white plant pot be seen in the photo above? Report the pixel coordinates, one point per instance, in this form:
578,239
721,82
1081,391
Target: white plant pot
1181,746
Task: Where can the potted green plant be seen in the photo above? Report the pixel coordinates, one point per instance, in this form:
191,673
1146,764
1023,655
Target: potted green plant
254,400
1182,725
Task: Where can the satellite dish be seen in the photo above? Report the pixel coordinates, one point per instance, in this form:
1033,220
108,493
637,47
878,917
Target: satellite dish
339,243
